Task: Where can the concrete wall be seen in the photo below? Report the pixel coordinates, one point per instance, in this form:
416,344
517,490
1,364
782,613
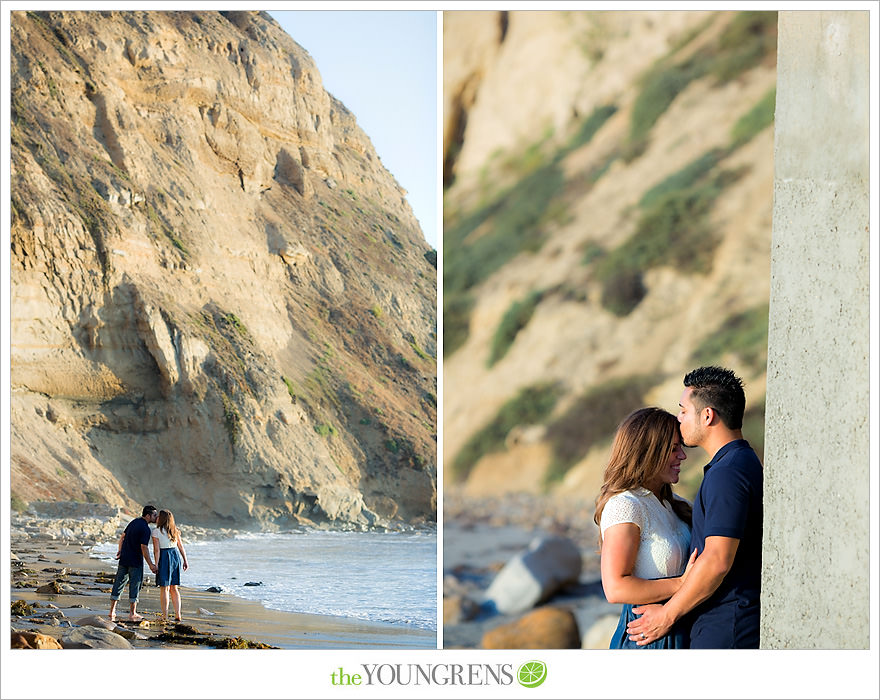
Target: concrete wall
815,591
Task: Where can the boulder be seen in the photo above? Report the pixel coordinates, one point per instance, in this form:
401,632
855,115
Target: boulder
34,640
53,588
52,615
599,635
93,638
548,565
96,621
544,628
127,633
458,608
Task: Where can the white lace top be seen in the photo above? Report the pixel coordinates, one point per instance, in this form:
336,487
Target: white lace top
165,542
664,546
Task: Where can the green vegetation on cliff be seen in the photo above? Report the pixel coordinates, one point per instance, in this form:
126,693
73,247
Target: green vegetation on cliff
510,222
532,405
593,419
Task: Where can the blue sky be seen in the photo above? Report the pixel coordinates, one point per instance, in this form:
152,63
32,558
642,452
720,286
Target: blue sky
382,65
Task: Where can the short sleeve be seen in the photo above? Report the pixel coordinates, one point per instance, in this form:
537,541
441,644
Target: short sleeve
622,508
726,504
145,534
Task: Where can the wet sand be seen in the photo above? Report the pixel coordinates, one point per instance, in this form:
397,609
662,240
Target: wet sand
232,617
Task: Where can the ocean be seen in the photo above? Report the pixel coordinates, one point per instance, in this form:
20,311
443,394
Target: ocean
386,577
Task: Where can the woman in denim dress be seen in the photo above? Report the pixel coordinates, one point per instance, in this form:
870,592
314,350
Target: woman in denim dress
170,556
645,529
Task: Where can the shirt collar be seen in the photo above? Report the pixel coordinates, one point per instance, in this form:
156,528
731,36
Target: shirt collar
729,447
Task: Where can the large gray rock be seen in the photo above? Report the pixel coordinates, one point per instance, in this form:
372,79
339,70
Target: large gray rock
548,565
93,638
96,621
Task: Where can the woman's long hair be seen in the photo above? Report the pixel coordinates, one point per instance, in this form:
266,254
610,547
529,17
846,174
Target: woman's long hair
165,522
641,451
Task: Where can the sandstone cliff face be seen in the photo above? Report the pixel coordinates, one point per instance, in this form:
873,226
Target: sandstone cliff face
221,300
608,203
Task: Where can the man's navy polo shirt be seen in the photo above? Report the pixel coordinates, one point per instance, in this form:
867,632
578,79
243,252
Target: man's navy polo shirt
136,533
729,503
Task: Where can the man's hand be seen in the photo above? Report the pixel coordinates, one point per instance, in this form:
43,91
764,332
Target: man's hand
653,623
153,567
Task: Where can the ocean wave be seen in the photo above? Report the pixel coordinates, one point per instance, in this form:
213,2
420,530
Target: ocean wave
381,577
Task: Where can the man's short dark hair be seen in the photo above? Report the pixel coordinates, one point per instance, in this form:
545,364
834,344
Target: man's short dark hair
149,510
720,389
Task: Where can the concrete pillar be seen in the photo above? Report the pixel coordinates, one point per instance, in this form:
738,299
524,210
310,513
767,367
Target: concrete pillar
815,586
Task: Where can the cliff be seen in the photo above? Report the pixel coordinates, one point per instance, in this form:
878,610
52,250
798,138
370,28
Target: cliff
608,207
221,300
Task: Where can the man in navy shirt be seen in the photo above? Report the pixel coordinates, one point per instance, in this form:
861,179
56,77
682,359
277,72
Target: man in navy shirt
721,595
133,549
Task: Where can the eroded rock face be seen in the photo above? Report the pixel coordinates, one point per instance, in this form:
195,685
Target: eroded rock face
520,88
200,319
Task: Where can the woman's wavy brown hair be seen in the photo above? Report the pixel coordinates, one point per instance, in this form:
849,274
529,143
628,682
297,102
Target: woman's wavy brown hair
641,450
165,521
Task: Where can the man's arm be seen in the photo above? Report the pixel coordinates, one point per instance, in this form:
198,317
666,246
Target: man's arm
119,547
707,574
619,549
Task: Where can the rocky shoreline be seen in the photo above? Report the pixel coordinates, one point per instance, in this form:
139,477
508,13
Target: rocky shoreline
488,544
63,593
60,598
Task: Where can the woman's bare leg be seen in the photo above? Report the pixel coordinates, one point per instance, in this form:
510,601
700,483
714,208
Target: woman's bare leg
163,600
175,600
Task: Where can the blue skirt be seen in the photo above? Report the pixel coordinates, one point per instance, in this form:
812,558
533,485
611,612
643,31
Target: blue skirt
168,572
676,639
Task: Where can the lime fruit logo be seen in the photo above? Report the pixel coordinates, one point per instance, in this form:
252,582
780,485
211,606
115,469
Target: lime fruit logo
531,674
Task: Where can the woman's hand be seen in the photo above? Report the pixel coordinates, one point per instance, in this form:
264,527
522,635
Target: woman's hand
185,565
687,569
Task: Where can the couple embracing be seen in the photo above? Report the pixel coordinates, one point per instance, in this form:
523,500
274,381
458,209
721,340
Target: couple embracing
688,575
158,527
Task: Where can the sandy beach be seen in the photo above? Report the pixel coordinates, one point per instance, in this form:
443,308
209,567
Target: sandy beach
210,620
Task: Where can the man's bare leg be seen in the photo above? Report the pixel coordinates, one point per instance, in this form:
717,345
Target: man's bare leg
133,615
